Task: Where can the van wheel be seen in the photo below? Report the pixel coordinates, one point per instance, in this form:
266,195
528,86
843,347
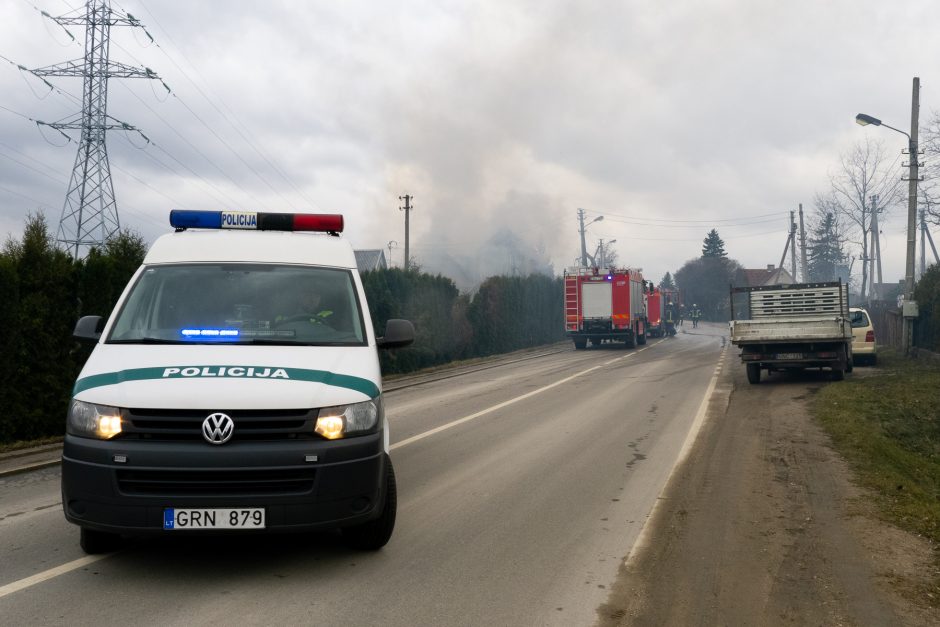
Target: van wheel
375,534
838,373
93,541
753,373
580,343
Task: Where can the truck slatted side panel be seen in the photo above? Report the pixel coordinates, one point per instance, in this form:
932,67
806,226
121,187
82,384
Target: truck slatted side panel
799,301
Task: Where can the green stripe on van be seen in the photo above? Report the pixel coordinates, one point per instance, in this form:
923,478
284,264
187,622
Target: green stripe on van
326,377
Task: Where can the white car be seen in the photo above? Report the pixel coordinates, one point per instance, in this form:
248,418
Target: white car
864,349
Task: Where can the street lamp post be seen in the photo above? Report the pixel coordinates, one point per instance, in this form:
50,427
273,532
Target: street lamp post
909,308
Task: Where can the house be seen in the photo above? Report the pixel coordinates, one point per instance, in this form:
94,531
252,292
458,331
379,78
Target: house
373,259
769,276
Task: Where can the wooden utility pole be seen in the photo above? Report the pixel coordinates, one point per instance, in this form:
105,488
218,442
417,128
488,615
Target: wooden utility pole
907,311
407,209
803,247
875,292
793,245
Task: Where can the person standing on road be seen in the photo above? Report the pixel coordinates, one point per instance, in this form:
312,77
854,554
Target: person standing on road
695,314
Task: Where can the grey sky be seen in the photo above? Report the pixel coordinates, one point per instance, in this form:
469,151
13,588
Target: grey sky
675,116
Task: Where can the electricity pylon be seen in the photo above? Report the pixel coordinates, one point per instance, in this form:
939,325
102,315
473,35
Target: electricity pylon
90,214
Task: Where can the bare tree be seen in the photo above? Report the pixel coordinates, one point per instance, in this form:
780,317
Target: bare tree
928,191
864,172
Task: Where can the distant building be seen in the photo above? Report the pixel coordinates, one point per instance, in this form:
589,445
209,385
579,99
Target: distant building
367,260
764,276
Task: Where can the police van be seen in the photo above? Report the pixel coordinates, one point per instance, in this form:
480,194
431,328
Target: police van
235,387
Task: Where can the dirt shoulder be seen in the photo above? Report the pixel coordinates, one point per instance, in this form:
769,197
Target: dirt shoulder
762,525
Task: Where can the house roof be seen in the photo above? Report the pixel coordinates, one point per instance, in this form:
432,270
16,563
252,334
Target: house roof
373,259
751,277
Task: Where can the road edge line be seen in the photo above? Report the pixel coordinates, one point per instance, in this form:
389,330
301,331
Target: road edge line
643,537
52,573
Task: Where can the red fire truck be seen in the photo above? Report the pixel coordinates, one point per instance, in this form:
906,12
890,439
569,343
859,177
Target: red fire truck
656,310
605,304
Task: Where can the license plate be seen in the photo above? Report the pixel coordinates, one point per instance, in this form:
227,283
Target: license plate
178,519
789,355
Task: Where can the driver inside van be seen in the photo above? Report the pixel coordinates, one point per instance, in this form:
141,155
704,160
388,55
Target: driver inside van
308,309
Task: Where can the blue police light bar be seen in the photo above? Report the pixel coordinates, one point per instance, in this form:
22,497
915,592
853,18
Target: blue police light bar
182,219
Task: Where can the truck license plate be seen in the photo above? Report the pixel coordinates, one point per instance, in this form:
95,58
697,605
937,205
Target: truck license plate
177,519
789,355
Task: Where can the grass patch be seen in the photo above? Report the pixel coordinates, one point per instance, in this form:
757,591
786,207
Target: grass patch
887,425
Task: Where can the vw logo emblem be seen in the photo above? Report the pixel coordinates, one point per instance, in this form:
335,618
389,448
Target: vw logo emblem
218,428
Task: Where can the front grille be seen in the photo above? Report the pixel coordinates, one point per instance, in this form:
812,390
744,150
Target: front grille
242,482
186,424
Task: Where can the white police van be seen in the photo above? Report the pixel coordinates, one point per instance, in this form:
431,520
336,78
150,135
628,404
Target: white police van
236,386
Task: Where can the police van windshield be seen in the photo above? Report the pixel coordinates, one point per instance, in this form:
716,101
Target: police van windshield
241,304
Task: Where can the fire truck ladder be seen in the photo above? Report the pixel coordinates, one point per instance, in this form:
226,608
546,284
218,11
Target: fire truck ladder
572,302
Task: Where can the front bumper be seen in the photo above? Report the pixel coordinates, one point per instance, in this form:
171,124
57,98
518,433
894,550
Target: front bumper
342,484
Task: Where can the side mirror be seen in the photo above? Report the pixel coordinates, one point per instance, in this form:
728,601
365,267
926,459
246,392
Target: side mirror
88,329
398,333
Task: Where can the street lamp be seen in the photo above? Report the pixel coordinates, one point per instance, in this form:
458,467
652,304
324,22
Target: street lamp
909,308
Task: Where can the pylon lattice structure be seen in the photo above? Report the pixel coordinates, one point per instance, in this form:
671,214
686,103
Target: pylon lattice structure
90,214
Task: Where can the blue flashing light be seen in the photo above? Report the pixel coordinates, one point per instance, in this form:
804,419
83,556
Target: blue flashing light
181,219
213,333
610,277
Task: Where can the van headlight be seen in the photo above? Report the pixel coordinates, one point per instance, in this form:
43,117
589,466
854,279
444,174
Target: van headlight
93,421
347,420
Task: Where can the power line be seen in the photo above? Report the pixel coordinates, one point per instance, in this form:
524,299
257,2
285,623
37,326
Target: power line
233,121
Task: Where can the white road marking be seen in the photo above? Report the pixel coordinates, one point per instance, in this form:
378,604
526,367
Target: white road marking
45,575
511,401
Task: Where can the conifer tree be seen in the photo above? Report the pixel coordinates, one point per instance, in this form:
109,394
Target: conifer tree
714,246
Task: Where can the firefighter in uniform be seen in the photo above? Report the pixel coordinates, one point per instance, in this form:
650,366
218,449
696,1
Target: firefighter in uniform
695,314
671,316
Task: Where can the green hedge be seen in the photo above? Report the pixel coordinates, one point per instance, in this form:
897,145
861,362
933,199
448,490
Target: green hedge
505,314
44,292
927,325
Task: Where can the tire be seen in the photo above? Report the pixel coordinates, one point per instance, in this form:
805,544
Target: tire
753,373
872,360
838,373
94,542
641,338
375,534
580,343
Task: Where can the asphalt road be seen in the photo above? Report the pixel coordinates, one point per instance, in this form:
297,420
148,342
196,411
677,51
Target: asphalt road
521,489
